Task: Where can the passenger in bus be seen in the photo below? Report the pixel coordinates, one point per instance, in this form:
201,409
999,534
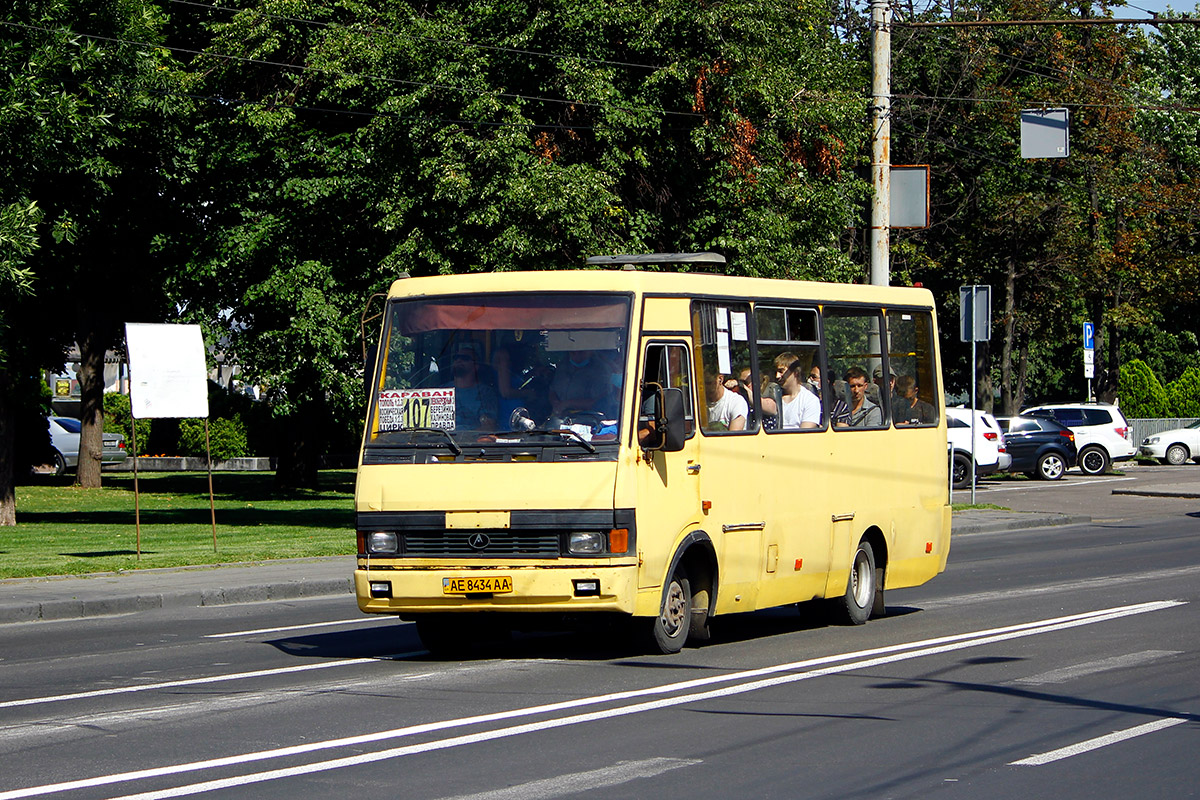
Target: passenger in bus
839,414
881,387
727,410
580,383
798,407
863,412
476,404
910,409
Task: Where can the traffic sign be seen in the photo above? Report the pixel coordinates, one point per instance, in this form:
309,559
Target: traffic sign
1089,336
975,307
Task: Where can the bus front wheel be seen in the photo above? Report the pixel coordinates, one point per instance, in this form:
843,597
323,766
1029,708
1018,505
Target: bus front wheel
854,608
669,630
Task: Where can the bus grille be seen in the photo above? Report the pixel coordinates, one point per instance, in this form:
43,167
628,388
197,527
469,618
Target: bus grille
499,543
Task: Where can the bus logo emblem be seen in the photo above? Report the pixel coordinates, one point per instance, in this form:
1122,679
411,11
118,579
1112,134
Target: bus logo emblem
478,541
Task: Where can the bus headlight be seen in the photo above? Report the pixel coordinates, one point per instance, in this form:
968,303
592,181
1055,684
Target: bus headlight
585,543
382,542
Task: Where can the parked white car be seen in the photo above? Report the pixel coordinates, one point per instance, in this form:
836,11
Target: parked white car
1102,433
1175,446
990,452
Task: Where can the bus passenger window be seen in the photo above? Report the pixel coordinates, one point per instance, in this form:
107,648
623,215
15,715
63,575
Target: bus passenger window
788,353
854,351
910,356
722,339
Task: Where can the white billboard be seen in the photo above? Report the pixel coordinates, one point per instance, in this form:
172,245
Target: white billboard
168,375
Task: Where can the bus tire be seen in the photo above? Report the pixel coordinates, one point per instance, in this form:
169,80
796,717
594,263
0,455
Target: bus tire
669,630
854,607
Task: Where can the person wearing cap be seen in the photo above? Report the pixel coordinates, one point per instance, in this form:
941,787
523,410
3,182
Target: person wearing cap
476,405
863,412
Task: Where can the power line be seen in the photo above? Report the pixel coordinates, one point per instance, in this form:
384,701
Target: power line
435,40
344,74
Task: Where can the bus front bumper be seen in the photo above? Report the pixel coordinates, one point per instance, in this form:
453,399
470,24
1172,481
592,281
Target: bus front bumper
567,589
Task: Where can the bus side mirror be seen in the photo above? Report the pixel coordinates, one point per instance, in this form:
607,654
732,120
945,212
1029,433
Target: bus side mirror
671,421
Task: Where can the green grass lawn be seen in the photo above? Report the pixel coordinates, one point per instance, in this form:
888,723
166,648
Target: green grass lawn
63,530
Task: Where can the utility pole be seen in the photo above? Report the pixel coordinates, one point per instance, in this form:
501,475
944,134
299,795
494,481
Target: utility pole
881,110
881,140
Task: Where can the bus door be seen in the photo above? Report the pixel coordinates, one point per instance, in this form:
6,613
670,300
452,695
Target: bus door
668,484
732,494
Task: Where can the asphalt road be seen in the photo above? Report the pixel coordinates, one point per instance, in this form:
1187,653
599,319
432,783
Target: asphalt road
1053,662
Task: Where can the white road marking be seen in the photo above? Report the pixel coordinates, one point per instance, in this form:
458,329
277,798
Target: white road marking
856,660
236,676
355,621
577,782
1092,667
1066,586
1095,744
1027,485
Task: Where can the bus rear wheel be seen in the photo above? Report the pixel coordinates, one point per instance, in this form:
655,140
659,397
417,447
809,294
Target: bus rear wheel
667,632
854,607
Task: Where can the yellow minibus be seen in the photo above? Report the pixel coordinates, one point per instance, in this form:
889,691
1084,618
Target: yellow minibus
658,447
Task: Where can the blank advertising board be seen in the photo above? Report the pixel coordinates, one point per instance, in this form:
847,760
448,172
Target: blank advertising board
167,371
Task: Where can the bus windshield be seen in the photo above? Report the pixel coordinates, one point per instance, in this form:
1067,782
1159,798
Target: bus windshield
502,369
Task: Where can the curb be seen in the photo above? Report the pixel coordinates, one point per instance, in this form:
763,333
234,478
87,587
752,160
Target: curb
1014,523
77,608
1177,493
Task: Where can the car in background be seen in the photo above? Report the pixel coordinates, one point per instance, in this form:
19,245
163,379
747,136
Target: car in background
1039,447
64,439
1102,434
1175,446
989,449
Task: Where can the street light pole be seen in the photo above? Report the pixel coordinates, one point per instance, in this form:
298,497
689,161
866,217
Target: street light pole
881,139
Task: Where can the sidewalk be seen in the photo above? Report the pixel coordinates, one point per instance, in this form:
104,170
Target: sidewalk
75,597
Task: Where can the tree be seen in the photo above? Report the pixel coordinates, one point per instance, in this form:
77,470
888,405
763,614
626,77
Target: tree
1142,395
346,149
90,121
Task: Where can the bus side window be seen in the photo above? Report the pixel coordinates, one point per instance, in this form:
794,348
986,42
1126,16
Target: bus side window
854,349
910,356
721,335
788,357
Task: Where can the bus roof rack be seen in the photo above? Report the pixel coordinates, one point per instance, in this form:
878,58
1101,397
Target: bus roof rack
658,258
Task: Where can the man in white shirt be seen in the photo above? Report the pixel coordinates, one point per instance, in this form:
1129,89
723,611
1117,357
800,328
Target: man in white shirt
799,408
728,411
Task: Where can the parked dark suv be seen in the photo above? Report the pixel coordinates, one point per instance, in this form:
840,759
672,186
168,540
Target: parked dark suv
1039,446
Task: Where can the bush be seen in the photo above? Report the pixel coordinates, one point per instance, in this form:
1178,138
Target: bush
1184,393
1142,396
118,419
227,438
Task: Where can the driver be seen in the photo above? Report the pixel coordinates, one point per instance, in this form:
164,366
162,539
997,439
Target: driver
580,383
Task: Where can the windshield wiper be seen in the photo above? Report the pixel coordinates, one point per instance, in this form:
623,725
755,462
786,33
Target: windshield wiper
453,445
564,432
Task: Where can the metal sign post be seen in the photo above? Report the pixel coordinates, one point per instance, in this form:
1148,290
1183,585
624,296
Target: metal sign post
1089,356
975,303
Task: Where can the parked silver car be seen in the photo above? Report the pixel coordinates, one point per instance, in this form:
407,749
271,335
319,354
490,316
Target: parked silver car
64,438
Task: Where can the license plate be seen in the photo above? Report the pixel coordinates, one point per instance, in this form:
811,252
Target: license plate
489,584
